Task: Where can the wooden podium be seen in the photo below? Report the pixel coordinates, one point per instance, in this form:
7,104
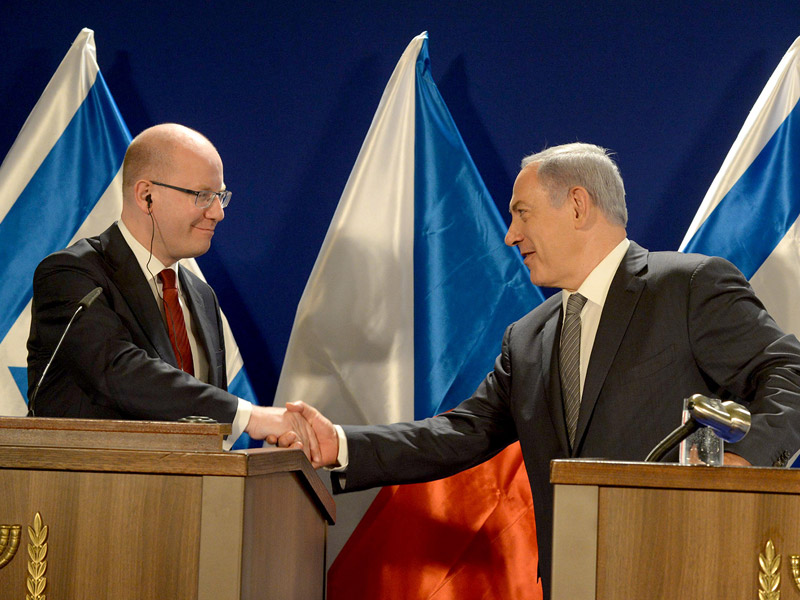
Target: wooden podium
641,530
142,510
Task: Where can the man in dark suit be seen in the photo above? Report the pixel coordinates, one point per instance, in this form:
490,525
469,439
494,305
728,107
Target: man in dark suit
151,347
653,328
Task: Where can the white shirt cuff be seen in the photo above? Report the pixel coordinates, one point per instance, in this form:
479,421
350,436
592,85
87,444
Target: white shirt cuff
240,422
343,457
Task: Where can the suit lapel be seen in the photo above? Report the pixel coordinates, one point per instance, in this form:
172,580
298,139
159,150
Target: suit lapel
623,295
128,277
550,375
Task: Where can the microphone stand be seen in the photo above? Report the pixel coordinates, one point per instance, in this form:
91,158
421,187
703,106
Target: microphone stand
729,420
85,303
672,440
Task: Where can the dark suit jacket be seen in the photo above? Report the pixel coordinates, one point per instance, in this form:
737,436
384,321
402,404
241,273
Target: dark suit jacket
672,325
117,361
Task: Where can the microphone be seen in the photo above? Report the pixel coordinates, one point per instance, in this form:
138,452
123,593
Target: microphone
84,304
729,420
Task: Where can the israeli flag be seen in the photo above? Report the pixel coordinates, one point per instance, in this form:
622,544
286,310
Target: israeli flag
61,181
750,213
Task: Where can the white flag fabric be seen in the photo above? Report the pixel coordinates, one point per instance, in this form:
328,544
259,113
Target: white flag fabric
750,213
61,181
353,334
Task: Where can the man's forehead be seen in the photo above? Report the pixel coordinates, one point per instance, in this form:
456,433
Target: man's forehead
524,185
519,202
197,157
195,169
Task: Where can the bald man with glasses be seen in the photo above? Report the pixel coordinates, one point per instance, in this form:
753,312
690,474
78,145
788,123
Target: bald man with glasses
152,346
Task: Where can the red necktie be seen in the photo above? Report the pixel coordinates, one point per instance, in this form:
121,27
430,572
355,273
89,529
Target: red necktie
176,326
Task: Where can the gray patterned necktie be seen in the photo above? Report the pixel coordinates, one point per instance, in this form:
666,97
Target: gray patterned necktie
570,359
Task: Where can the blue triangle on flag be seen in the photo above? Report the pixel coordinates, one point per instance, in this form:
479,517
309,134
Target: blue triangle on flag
468,285
20,375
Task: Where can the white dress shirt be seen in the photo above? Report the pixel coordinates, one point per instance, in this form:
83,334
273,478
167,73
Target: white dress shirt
151,267
595,289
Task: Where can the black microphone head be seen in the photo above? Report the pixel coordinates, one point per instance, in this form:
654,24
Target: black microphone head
87,300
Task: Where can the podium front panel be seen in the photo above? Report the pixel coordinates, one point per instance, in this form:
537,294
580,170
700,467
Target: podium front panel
95,518
109,535
636,530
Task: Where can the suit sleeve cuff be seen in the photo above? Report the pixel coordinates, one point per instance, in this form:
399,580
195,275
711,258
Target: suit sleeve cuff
240,422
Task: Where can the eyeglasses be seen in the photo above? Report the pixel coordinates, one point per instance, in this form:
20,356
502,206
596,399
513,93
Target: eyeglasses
202,199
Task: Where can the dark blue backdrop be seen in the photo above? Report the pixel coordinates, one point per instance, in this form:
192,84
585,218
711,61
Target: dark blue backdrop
287,92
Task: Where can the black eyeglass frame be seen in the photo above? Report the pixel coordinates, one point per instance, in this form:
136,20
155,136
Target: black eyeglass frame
224,196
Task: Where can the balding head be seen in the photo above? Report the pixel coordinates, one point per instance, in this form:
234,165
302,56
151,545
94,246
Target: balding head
151,153
161,166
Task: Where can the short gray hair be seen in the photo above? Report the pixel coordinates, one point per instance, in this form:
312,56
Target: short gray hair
585,165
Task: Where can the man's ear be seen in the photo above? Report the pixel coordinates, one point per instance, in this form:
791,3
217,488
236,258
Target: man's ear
581,205
142,195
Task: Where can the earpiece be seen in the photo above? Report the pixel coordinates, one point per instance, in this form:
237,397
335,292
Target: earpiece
149,200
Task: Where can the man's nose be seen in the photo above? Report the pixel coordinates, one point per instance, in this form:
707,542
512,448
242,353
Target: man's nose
214,211
512,236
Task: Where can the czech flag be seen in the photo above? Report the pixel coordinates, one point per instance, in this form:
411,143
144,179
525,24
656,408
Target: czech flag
401,319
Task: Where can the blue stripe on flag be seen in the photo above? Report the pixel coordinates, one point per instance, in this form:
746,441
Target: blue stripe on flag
468,286
241,387
762,205
60,196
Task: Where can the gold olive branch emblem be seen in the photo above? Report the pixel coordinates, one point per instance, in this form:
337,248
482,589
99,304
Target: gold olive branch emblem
769,578
37,565
9,542
795,561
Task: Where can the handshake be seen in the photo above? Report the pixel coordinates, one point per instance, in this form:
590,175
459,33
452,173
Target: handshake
296,426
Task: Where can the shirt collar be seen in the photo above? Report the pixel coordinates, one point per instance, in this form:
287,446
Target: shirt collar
144,256
595,287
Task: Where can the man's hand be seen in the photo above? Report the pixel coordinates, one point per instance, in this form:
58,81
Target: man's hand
289,429
326,437
734,460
